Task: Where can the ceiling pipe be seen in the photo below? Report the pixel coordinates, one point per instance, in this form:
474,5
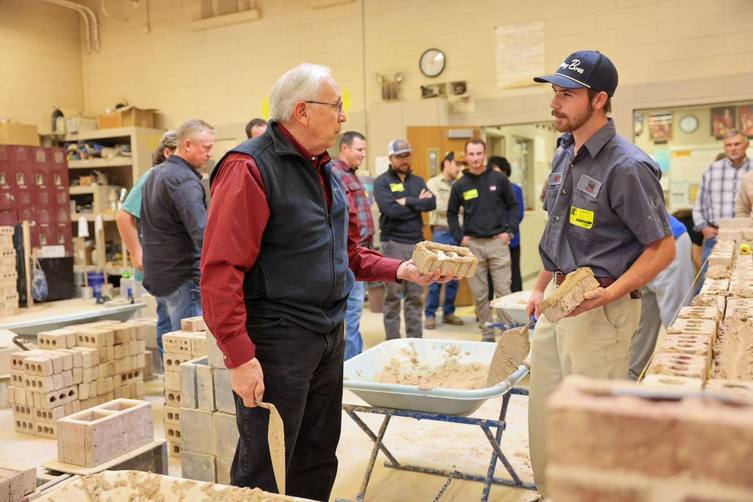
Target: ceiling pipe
91,26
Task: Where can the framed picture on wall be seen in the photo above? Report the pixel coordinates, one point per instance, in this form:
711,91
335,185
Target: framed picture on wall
660,127
745,119
722,120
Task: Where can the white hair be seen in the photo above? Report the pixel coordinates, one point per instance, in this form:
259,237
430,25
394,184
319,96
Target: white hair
300,83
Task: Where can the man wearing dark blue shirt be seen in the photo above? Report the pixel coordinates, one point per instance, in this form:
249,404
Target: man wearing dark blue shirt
173,218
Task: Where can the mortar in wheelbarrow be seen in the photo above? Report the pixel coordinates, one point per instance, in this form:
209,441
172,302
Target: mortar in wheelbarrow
424,357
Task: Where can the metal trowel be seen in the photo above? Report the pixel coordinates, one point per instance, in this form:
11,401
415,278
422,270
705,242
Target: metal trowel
512,350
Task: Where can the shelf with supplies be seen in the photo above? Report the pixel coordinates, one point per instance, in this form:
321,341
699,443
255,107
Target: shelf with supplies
97,184
92,216
99,163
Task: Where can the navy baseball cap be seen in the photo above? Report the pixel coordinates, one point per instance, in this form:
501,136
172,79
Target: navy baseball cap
590,69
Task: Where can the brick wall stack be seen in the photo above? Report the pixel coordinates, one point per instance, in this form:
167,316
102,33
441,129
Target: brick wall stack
75,368
709,345
179,347
8,275
207,404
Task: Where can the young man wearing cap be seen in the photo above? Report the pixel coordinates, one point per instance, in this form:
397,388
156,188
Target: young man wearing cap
490,221
402,197
606,211
440,232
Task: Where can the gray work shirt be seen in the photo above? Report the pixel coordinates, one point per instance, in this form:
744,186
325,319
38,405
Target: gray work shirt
605,205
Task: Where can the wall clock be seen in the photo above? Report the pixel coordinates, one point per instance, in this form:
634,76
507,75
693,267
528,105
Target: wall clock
432,62
688,124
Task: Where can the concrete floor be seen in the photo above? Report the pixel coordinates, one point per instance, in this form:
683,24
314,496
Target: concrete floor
440,445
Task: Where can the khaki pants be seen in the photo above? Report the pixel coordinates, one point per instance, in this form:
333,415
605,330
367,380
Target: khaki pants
596,344
493,256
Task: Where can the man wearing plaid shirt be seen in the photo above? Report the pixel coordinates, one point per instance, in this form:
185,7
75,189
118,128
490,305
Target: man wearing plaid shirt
352,153
718,191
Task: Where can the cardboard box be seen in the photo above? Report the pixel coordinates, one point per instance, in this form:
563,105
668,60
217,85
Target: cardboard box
18,134
126,117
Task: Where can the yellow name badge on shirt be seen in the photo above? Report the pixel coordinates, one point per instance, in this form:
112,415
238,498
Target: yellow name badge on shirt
397,187
470,194
582,218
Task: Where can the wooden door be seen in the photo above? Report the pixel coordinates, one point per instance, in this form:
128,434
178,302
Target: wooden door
430,144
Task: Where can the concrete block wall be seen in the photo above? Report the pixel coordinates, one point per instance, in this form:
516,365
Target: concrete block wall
75,368
609,440
8,274
211,407
181,347
102,433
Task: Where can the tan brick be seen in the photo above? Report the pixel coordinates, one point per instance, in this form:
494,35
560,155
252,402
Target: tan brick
95,337
193,324
737,388
177,342
701,439
569,294
672,382
99,434
172,415
172,381
682,365
685,344
56,339
173,361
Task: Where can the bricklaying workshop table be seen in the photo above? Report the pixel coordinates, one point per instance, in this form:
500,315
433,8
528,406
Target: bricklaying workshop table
46,316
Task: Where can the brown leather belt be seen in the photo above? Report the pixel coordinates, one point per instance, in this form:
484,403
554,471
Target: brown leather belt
604,282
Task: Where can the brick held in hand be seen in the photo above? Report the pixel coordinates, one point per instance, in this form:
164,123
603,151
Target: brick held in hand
431,256
569,295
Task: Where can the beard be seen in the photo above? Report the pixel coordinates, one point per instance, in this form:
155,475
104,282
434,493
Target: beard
569,123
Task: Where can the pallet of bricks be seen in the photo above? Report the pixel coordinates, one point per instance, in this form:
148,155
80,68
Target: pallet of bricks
207,404
179,346
710,343
8,275
75,368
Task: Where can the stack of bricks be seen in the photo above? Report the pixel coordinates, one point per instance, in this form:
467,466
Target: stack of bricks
609,440
94,436
75,368
8,275
708,346
208,405
16,483
179,346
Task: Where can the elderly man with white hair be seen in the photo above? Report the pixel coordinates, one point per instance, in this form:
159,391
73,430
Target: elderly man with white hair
279,259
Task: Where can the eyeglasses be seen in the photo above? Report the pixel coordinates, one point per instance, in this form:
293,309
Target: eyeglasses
337,106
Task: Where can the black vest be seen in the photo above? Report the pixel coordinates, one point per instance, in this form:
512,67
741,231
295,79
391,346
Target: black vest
301,274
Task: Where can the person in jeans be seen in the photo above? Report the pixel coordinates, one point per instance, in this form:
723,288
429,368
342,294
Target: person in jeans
401,196
352,153
281,254
440,186
128,221
490,222
173,218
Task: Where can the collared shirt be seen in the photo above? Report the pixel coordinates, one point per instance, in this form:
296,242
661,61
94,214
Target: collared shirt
173,218
242,212
357,198
440,187
717,194
605,205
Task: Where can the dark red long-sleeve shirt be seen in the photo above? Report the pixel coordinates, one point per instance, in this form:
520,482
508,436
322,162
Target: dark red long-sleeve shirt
238,216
